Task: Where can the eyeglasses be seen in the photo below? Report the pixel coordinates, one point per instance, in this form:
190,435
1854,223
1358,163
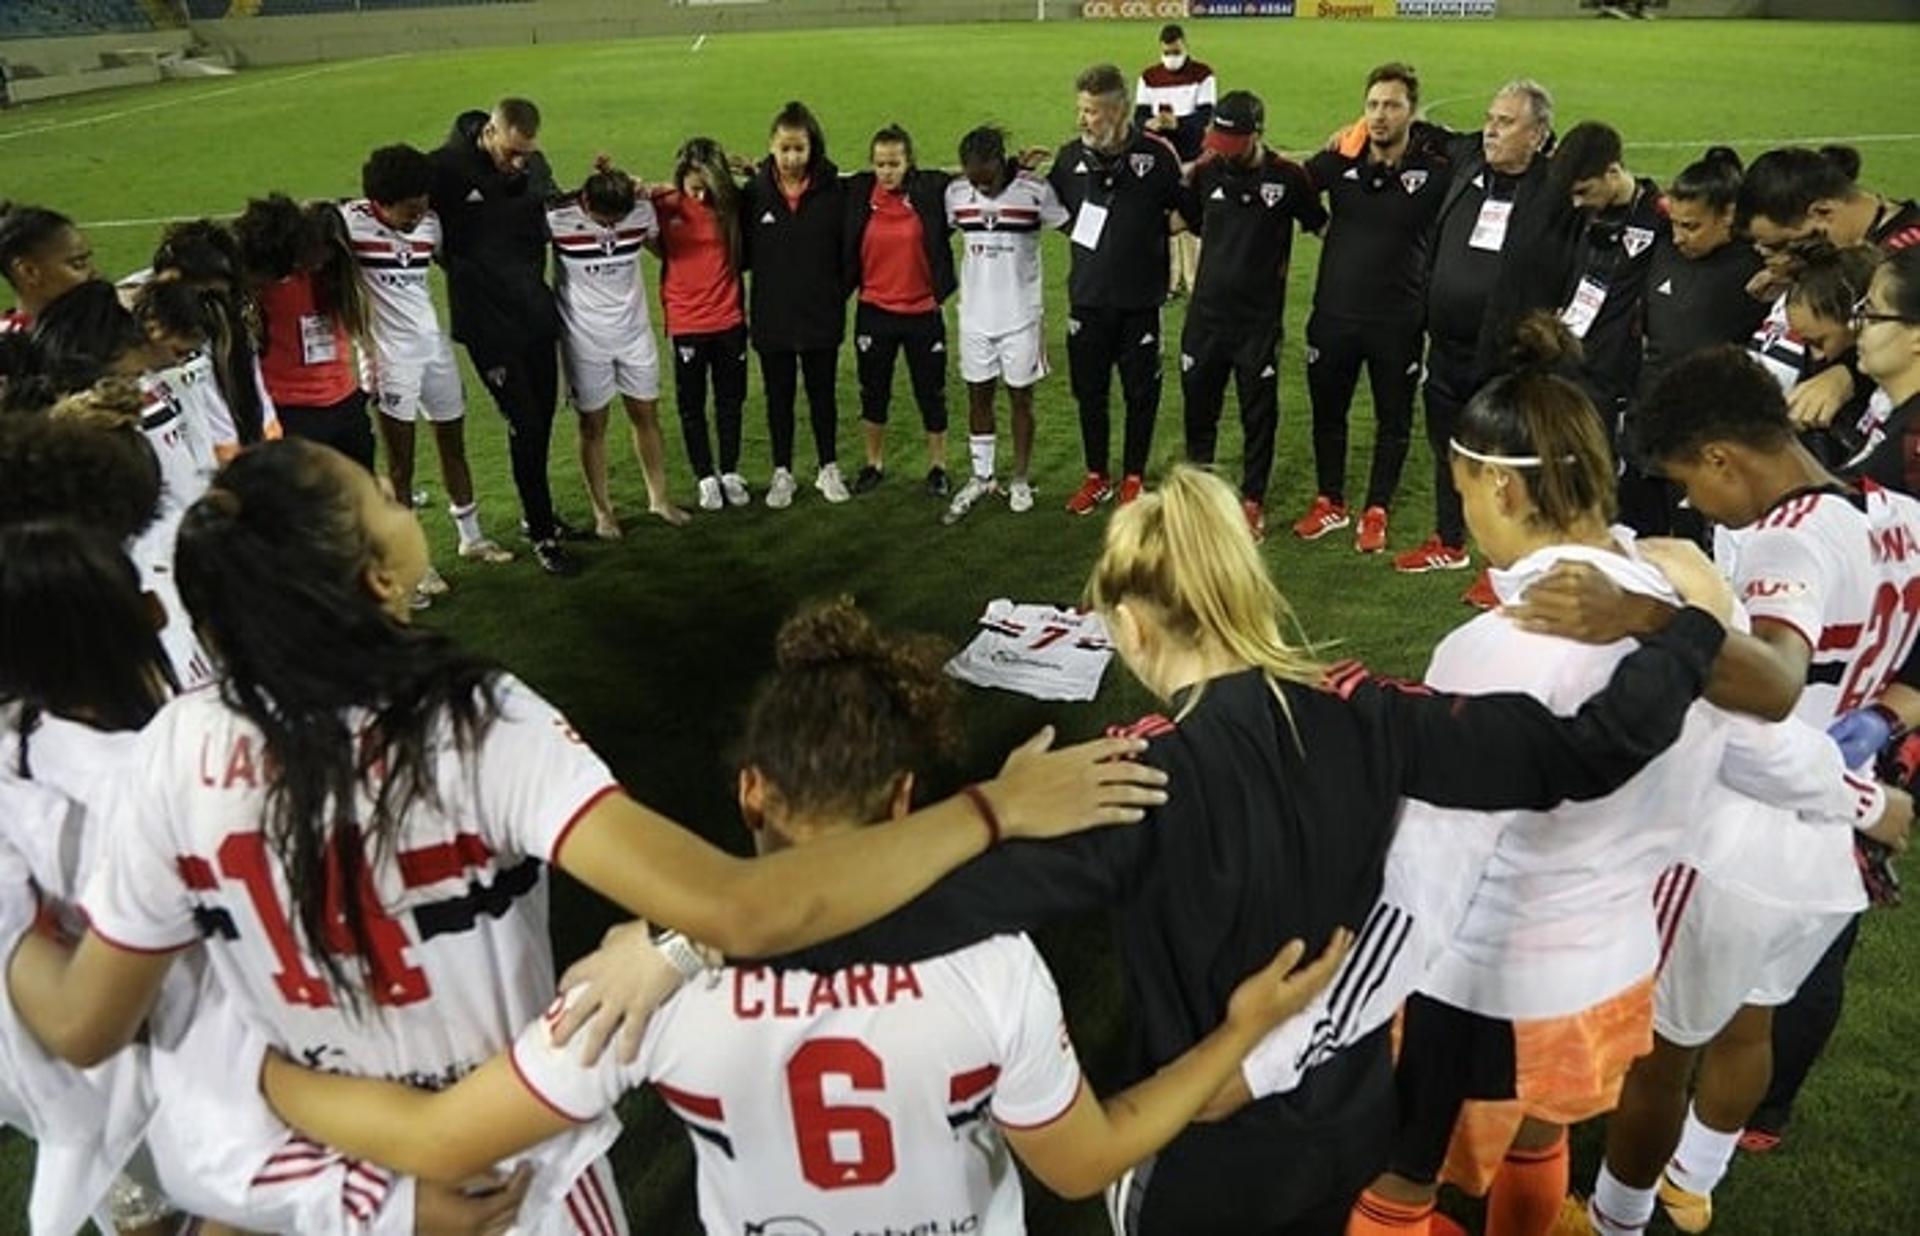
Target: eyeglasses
1861,315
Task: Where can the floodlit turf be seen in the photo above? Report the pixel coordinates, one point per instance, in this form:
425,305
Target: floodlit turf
655,648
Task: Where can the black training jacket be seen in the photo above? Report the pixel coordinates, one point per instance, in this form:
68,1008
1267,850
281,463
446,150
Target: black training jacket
797,300
927,190
494,245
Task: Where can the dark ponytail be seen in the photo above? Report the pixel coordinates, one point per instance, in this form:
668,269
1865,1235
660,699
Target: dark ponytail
84,335
1713,180
205,255
1537,411
77,638
350,701
847,710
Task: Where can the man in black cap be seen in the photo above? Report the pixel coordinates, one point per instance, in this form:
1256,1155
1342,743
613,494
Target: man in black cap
490,185
1244,199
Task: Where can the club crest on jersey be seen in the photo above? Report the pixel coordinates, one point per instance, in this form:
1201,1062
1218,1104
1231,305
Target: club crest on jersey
1636,240
1141,164
608,243
1271,193
403,254
785,1225
1413,180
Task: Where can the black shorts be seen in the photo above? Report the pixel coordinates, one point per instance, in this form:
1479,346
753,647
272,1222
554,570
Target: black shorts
1447,1057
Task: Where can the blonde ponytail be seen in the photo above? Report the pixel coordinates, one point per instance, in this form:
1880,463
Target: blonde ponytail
1184,552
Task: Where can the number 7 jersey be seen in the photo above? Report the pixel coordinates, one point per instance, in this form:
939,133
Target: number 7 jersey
862,1100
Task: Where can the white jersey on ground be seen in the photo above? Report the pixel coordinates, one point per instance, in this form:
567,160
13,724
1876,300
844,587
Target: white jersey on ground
862,1100
1000,278
596,276
393,269
1039,650
1842,570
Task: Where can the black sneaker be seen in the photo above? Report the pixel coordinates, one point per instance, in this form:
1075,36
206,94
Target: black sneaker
554,559
937,486
868,480
562,531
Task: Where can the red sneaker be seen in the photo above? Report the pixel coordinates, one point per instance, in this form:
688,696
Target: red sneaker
1481,595
1324,516
1759,1141
1256,518
1372,537
1130,487
1432,554
1092,492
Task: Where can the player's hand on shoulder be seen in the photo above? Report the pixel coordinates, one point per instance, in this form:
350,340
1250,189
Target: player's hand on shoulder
1814,403
1894,828
1692,574
1284,987
487,1206
620,984
1580,602
1041,792
1033,158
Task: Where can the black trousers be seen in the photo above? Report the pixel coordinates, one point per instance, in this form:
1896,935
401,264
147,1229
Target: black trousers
781,373
343,426
525,385
723,355
1251,358
878,338
1099,341
1336,350
1449,386
1801,1028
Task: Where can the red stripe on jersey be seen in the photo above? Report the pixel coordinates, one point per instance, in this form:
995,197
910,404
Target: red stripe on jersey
1053,1119
285,1175
196,873
370,1178
597,1198
446,861
514,1060
1682,895
1153,725
579,1219
704,1106
968,1085
124,947
358,1201
1905,238
579,813
1345,678
1838,635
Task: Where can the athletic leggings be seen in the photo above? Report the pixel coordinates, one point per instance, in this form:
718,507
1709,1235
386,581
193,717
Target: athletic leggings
1336,349
780,373
525,383
724,355
879,336
1449,386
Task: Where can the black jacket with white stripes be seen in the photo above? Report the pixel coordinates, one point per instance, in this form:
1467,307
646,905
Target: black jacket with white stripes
1281,807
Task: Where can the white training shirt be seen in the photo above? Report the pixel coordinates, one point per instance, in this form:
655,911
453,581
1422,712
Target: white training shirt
184,449
1000,277
1044,651
596,276
393,269
862,1100
1844,571
460,906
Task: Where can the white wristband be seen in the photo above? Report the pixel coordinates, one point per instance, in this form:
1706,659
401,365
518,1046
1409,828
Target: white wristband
681,954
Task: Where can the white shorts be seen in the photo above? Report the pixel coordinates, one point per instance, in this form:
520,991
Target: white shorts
404,390
1724,950
596,375
1018,358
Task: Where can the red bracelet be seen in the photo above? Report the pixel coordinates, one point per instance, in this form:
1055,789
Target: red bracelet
979,800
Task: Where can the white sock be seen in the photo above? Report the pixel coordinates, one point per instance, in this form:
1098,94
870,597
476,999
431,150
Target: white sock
980,448
1619,1209
467,519
1702,1156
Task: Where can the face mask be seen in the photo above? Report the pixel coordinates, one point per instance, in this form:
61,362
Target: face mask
1174,62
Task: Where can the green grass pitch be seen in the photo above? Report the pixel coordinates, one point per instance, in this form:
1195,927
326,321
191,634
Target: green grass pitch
654,649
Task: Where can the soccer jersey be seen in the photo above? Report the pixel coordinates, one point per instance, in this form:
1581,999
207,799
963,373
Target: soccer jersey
393,270
184,449
856,1100
456,906
1038,650
1247,217
1841,568
1120,202
596,275
193,385
1000,277
1374,265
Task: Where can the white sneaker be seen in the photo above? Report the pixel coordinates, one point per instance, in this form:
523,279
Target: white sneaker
975,489
483,550
1020,496
780,490
735,487
831,487
710,493
432,584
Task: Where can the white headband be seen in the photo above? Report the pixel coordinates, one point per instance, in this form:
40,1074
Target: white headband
1505,461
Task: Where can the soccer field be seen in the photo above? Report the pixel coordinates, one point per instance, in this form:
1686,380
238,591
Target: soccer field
655,647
